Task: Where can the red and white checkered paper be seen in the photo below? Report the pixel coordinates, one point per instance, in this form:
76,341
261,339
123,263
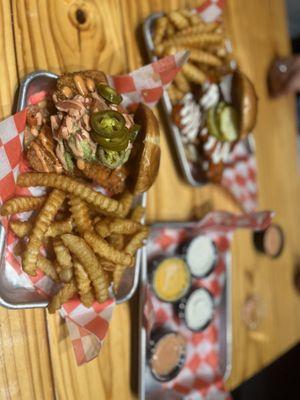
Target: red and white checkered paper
201,377
87,326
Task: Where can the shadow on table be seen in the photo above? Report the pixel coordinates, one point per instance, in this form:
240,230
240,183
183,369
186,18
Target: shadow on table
278,381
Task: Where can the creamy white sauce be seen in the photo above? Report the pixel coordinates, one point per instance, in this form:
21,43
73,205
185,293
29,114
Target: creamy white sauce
210,143
217,153
199,309
204,131
225,87
201,255
190,118
211,97
225,152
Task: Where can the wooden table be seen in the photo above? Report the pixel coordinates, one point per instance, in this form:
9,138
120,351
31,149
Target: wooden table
36,358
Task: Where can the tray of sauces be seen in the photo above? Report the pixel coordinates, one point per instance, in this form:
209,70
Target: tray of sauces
211,104
185,310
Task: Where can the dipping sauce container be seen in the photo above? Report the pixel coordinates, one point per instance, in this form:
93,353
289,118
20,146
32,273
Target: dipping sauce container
201,256
171,279
270,241
197,309
167,355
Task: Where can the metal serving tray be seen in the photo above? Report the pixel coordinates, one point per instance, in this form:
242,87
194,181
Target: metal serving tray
11,294
167,107
149,388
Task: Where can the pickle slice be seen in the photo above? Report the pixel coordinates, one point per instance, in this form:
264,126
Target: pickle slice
228,124
213,123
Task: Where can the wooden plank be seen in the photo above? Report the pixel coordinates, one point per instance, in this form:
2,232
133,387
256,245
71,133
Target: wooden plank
259,34
8,71
24,358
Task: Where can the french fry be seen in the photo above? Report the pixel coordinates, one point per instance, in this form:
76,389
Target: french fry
137,213
136,241
84,253
44,219
117,276
193,73
124,226
102,229
101,286
199,29
47,267
116,240
21,228
175,94
178,20
170,29
21,204
170,50
104,250
193,40
64,260
160,30
83,283
107,265
186,13
72,186
58,228
64,294
193,17
80,213
125,200
133,245
195,20
204,57
182,83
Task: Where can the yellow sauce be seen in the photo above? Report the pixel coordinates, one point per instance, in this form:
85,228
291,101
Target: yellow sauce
171,279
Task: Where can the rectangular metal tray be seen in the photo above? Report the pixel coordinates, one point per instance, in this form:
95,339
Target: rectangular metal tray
16,297
147,384
167,107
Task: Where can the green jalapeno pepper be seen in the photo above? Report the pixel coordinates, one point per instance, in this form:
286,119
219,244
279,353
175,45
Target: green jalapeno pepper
109,94
117,143
133,132
108,124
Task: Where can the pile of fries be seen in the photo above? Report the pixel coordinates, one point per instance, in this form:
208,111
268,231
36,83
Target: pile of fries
80,238
185,30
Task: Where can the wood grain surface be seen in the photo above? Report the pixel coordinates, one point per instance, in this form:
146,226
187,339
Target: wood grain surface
37,360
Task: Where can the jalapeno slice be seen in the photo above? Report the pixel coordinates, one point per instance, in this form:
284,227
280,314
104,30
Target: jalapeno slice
117,143
109,94
133,131
108,124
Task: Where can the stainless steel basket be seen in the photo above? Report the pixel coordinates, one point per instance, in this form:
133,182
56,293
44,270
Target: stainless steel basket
11,294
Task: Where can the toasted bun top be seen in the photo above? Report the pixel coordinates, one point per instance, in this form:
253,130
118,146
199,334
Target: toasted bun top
145,156
244,99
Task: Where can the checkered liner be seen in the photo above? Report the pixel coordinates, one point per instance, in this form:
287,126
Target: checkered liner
200,378
87,327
